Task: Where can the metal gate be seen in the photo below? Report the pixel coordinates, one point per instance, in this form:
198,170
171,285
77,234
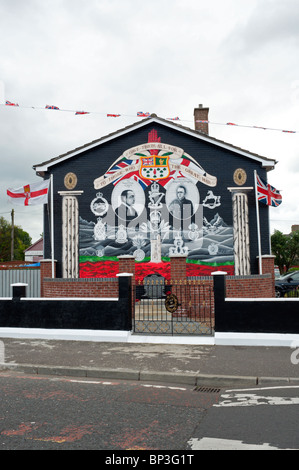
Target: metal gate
173,307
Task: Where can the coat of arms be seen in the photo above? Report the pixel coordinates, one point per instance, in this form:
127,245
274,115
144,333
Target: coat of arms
154,167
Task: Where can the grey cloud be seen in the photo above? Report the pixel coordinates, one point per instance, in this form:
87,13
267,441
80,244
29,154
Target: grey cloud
271,23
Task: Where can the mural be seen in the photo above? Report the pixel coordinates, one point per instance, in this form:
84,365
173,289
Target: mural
148,205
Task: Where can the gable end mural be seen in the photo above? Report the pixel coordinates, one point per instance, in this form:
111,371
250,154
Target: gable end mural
153,202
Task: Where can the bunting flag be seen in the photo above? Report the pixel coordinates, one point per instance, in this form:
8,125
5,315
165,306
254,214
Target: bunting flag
51,107
30,195
147,114
141,114
266,193
251,127
9,103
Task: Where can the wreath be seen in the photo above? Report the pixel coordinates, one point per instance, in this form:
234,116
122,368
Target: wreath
171,302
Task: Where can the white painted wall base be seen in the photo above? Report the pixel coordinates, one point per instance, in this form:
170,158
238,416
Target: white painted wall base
220,339
256,339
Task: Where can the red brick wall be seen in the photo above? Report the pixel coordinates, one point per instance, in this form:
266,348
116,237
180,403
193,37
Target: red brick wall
98,288
268,267
45,272
236,286
178,268
249,286
127,265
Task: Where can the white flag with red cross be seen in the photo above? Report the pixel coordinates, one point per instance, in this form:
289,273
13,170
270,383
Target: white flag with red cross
30,195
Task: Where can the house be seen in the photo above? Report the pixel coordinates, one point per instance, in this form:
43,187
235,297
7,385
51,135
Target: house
35,252
155,190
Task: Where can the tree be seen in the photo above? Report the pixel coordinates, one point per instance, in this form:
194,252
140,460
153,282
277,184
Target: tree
285,248
22,240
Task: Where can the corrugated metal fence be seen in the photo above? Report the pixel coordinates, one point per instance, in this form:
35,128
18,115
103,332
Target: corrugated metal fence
27,276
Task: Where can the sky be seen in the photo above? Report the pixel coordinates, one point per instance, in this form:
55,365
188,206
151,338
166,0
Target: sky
238,58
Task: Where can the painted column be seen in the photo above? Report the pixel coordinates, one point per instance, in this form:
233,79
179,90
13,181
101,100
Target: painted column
70,234
241,230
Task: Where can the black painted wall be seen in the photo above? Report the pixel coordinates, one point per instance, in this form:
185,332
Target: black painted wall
255,315
69,314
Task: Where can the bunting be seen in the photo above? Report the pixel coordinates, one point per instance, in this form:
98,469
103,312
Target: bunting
143,114
9,103
242,125
51,107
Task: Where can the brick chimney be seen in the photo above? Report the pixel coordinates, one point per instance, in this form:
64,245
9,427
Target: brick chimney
201,114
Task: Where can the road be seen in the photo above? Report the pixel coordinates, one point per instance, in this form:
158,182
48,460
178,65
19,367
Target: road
39,412
63,413
263,418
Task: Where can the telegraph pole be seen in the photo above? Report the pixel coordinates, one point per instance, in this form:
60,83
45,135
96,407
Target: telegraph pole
12,234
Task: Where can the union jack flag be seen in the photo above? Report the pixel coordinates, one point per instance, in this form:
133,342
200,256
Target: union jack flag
79,112
141,114
148,161
8,103
266,193
133,174
51,107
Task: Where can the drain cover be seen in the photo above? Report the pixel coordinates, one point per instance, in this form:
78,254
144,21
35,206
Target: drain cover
207,389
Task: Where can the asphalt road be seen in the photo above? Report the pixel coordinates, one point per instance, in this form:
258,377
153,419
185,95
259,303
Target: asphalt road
62,413
73,414
262,418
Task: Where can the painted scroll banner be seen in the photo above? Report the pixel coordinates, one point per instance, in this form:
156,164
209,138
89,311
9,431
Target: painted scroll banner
104,181
205,178
177,159
133,152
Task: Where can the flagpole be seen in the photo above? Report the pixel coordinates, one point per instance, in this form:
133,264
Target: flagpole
52,226
258,225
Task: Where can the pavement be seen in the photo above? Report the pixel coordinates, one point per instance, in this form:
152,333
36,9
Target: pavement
211,365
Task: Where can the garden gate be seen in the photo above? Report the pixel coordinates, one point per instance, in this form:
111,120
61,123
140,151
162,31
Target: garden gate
173,307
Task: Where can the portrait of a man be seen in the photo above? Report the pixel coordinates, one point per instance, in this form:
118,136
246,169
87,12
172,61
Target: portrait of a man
181,207
126,210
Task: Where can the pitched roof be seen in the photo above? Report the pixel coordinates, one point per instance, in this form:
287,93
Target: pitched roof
44,166
37,246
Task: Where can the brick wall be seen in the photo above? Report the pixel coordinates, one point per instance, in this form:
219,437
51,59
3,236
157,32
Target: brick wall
249,286
255,286
178,268
268,262
98,288
46,272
